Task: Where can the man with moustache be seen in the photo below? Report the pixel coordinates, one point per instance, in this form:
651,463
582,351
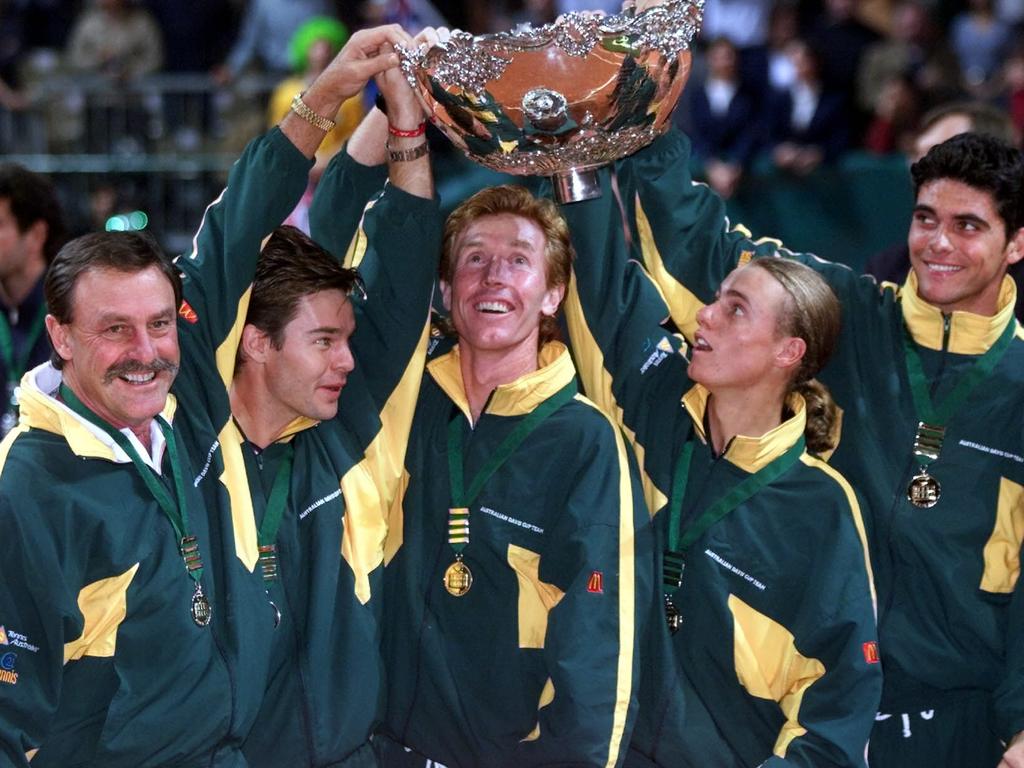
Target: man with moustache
107,656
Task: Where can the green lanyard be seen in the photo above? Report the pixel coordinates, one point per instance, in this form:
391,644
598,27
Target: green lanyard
458,521
924,491
266,538
16,367
674,555
174,507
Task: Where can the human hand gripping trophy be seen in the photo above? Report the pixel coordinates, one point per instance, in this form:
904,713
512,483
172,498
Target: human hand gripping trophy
562,99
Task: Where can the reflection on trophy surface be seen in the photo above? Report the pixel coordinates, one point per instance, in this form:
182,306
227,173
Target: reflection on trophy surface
562,99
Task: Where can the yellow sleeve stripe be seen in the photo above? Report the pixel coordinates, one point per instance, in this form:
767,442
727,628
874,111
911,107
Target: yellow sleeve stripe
858,519
682,303
627,593
770,667
357,248
1002,550
598,383
372,487
103,604
227,352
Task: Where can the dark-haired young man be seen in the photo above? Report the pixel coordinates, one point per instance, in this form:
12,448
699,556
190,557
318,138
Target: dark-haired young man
31,232
930,377
301,450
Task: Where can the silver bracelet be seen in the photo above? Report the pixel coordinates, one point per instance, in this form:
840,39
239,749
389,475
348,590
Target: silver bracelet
405,155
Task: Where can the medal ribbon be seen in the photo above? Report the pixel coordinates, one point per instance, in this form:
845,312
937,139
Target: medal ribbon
933,417
16,368
458,521
266,537
174,508
677,545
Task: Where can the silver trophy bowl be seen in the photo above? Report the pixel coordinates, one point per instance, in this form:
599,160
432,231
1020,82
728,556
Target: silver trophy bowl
559,100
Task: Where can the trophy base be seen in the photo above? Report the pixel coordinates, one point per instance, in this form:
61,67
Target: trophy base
576,185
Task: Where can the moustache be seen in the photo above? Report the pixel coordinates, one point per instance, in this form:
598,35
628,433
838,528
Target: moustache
155,367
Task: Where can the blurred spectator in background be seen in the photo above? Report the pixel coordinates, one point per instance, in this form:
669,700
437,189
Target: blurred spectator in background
915,47
807,123
195,32
981,42
944,122
842,38
116,38
723,113
412,15
267,28
31,232
310,50
783,29
1013,87
893,126
745,24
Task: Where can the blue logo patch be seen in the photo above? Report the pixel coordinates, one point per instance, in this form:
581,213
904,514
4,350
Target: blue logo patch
7,661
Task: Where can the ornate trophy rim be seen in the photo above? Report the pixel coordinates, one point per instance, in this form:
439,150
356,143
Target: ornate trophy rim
465,65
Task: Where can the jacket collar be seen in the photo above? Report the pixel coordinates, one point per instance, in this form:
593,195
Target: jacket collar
39,409
751,453
969,334
517,398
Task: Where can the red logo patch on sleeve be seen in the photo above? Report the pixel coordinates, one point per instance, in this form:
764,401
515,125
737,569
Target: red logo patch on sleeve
596,584
871,652
187,313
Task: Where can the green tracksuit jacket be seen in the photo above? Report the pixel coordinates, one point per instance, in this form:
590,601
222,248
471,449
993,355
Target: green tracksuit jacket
101,663
776,661
537,664
950,602
321,667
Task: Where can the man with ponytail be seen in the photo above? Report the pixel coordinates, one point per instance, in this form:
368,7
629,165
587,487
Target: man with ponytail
761,647
930,379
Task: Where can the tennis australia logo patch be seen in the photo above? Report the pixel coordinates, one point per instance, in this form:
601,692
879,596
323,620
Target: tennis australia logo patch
7,663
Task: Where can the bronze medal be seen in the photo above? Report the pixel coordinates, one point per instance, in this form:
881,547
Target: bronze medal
458,578
924,491
201,610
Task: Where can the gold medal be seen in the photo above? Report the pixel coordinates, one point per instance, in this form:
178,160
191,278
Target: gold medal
458,578
924,491
672,615
201,610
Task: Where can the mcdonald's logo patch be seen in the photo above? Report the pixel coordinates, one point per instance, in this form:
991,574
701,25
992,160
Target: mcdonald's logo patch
187,313
871,652
596,583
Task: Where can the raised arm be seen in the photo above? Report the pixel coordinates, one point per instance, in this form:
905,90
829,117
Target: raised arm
264,186
688,245
630,366
394,238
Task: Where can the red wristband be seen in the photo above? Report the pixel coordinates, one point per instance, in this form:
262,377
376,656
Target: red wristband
418,131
